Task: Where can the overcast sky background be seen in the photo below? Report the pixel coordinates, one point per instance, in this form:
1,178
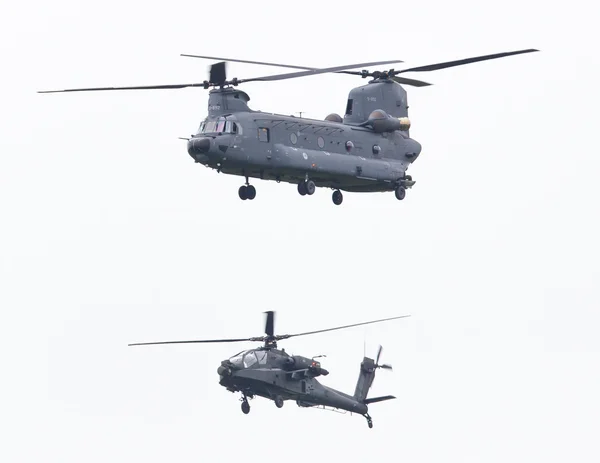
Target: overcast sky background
111,234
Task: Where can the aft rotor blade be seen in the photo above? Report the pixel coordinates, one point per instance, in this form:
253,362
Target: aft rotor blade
286,336
460,62
270,323
378,354
192,342
250,62
145,87
311,72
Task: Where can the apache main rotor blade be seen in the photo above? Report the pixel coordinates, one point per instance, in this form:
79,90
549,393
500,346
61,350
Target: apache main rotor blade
311,72
250,62
147,87
286,336
193,342
270,323
460,62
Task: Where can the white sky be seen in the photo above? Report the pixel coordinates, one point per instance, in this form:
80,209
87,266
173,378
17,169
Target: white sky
111,234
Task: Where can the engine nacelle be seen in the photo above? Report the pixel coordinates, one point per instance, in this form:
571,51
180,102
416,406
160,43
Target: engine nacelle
381,122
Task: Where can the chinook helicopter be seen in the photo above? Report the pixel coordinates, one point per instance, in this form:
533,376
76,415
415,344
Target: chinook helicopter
368,150
272,373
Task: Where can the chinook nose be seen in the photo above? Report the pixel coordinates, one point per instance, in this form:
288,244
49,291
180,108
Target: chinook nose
198,146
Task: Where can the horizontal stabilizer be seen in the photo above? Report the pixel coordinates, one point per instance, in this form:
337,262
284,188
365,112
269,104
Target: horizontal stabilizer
378,399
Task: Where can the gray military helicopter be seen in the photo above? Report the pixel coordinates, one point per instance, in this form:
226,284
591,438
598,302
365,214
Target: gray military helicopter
272,373
368,150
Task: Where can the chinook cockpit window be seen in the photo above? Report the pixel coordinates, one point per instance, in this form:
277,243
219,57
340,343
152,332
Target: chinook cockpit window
219,126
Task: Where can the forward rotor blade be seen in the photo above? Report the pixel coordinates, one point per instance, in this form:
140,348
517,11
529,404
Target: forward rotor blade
270,323
250,62
193,342
311,72
460,62
412,82
146,87
286,336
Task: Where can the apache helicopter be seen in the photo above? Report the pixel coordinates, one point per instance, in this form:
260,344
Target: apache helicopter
368,150
272,373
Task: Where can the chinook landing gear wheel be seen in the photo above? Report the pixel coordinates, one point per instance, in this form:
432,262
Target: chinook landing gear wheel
310,187
245,407
400,193
337,197
279,401
247,192
302,188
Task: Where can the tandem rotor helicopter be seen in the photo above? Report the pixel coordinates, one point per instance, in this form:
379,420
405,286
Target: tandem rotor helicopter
272,373
368,150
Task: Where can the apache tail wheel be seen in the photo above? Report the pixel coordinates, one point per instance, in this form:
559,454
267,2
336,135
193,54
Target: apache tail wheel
302,188
337,197
279,401
250,192
400,193
245,407
310,187
243,192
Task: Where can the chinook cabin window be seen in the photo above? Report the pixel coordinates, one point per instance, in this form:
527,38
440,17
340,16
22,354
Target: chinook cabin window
349,106
263,134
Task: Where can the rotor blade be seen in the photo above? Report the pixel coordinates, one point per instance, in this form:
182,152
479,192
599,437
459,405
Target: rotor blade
412,82
286,336
378,354
250,62
386,366
448,64
194,341
147,87
270,323
311,72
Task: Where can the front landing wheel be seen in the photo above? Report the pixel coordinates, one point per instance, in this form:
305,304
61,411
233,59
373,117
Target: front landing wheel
245,407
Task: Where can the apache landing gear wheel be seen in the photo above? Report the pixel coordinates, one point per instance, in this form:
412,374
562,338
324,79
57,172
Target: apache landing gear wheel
245,407
400,193
337,197
310,187
243,192
302,188
250,192
278,401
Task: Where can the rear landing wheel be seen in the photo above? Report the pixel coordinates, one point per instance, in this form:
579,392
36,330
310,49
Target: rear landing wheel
243,192
337,197
250,192
400,193
279,401
245,407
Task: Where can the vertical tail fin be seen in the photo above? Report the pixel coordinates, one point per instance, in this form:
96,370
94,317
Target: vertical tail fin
365,379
